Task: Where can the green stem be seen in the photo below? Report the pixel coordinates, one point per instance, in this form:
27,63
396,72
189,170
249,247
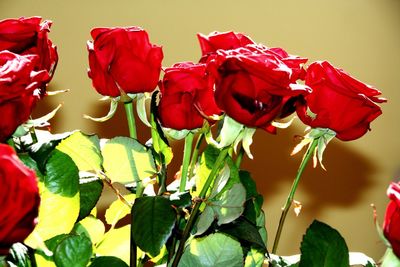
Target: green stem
186,160
193,215
289,200
195,154
239,157
131,119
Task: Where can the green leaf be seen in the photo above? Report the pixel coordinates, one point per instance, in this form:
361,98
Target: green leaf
116,243
254,258
207,160
232,178
225,208
108,261
41,151
249,184
229,205
323,246
92,228
118,210
31,163
73,251
213,250
243,230
206,218
153,219
84,151
46,258
62,175
126,160
260,222
90,189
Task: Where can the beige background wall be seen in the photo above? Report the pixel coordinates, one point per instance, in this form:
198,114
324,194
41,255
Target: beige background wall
361,36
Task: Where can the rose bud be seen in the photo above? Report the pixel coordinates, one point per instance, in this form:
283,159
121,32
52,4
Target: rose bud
254,86
25,36
123,60
19,92
19,199
391,225
209,44
187,97
338,102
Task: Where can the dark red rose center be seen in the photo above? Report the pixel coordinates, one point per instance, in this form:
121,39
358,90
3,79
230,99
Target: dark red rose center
257,106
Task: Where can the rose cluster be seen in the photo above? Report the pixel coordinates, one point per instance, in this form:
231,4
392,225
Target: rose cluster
249,82
27,63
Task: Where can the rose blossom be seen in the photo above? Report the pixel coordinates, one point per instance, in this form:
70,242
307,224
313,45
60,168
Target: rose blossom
391,225
18,94
254,85
123,59
209,44
186,97
19,199
25,36
338,102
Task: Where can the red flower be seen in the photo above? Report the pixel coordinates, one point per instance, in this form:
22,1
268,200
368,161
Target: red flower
25,36
254,85
18,94
186,97
391,225
123,59
19,199
339,102
221,40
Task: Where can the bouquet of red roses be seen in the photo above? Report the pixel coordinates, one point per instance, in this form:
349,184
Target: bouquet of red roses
210,214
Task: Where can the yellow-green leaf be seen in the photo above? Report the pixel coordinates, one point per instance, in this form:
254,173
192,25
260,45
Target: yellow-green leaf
116,243
84,150
57,215
118,210
94,228
126,160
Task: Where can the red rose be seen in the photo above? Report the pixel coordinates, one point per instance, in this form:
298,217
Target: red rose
391,225
254,85
18,94
19,199
221,40
186,97
25,36
123,59
338,102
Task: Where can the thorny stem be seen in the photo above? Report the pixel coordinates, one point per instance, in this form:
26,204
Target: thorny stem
289,200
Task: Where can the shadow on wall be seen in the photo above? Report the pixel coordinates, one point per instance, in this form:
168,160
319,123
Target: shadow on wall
347,177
